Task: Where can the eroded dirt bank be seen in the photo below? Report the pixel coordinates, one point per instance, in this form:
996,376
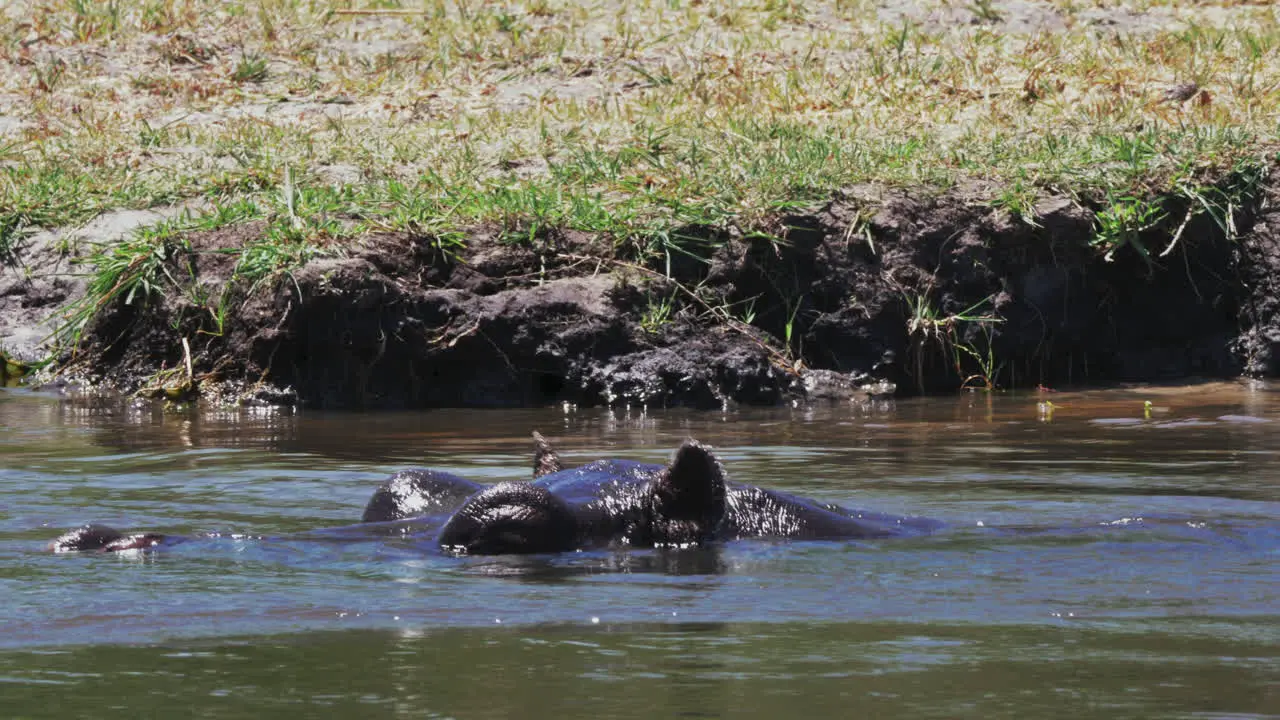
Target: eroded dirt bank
929,292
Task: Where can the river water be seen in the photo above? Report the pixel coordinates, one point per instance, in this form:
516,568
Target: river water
1098,559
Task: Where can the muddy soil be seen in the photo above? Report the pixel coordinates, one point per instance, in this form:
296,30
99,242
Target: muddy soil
880,289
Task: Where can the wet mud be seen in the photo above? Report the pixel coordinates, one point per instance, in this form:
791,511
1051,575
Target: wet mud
880,289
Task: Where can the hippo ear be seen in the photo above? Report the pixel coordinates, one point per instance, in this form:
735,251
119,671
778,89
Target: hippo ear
688,497
545,459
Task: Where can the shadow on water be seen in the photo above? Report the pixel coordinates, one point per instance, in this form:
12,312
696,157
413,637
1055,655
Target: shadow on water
1104,553
551,569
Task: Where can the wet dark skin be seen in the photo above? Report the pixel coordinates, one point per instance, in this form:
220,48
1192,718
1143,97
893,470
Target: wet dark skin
607,503
610,503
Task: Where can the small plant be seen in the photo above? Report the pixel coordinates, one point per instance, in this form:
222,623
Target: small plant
1019,201
263,260
212,300
156,16
251,68
895,39
149,137
12,230
985,12
789,333
658,314
1122,223
655,79
90,19
983,353
132,270
1220,202
510,24
928,328
48,75
748,311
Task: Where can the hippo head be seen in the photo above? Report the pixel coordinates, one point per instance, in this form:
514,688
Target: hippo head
686,501
679,505
511,518
416,492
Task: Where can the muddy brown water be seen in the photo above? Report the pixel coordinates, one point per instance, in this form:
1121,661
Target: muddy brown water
1095,562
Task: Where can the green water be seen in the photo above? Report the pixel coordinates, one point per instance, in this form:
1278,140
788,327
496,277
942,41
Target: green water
1096,561
689,670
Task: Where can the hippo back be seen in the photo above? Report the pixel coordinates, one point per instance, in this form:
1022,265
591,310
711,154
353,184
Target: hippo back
754,512
599,481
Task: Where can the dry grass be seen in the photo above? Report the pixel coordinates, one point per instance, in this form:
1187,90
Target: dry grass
624,118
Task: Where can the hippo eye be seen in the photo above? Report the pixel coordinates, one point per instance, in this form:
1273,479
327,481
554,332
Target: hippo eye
515,533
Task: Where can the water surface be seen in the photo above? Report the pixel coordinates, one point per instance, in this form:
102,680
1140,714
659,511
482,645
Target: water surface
1099,559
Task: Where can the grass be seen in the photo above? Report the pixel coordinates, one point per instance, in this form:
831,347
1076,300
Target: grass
626,120
658,313
964,339
1122,222
296,226
250,68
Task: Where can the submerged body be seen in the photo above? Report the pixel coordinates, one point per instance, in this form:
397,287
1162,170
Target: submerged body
611,503
606,503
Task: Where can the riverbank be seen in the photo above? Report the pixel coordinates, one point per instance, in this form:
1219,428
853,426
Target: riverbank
672,204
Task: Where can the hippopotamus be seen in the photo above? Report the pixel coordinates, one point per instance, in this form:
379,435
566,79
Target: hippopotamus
603,504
